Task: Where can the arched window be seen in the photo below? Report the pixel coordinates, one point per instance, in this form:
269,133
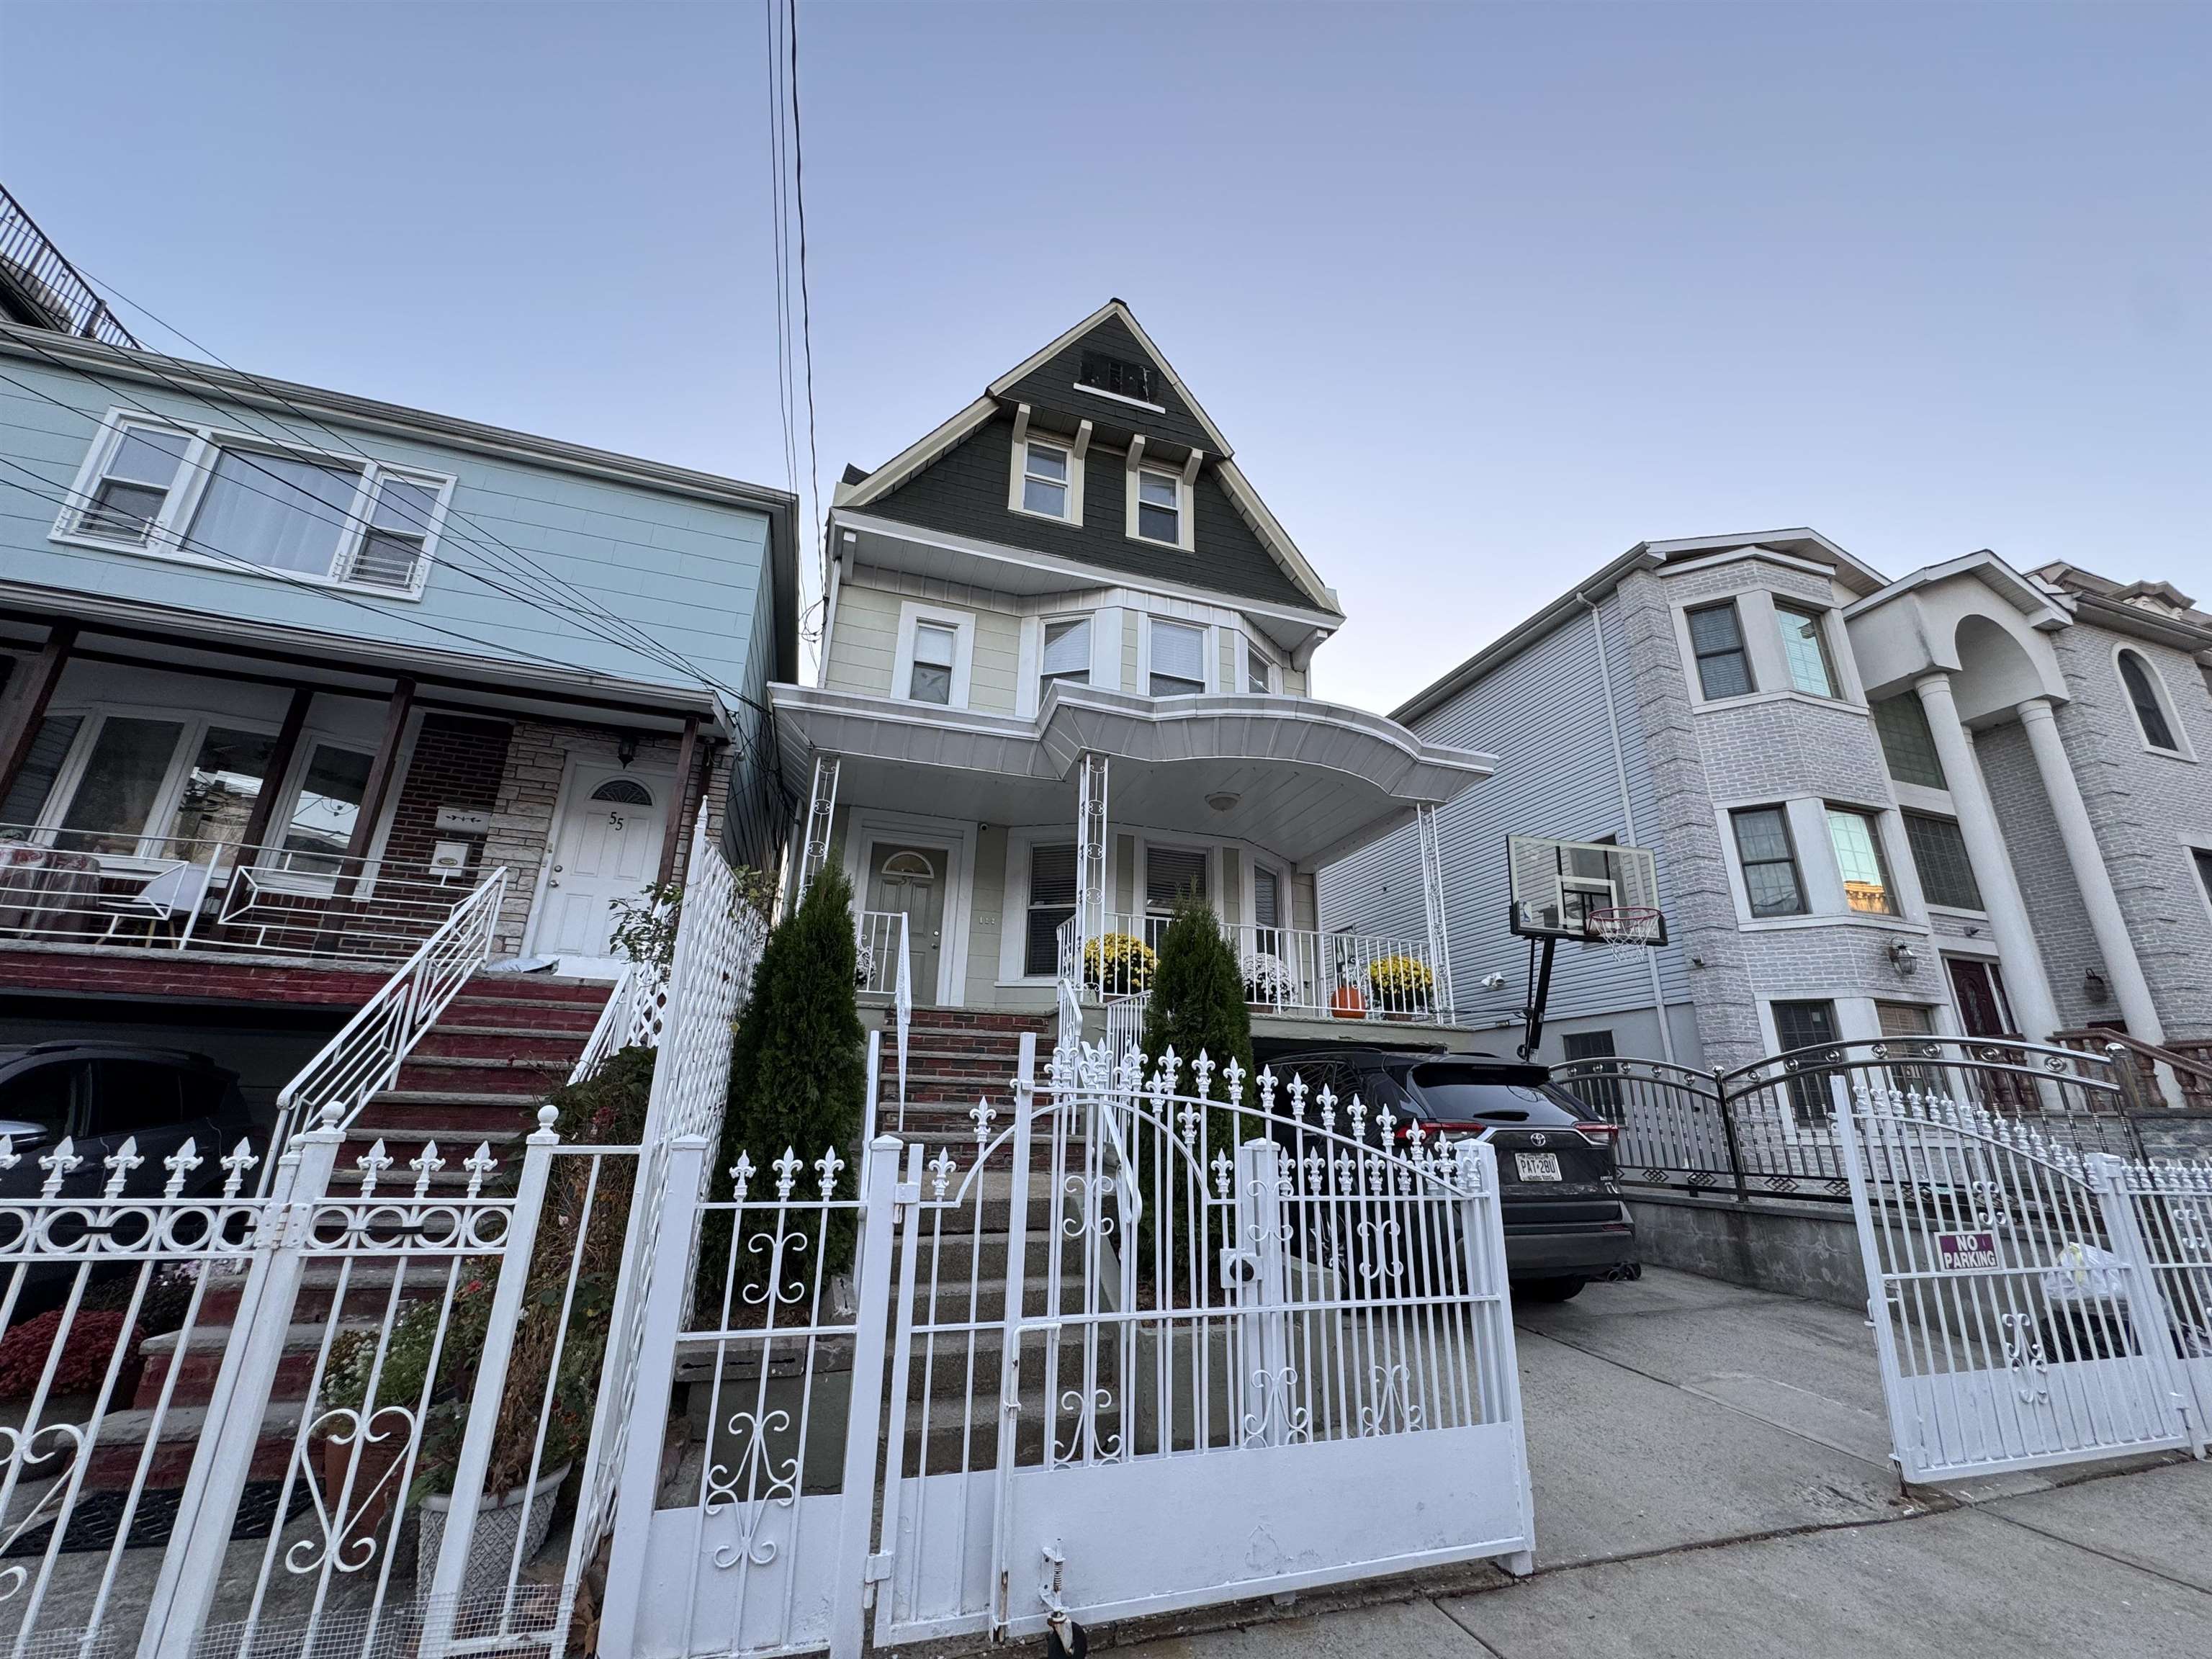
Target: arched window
624,792
2143,688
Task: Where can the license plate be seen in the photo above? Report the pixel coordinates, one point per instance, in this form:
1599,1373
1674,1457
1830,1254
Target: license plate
1536,1166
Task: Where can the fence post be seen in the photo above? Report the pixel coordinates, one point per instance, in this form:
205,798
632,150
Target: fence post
192,1564
1482,1244
1009,1358
879,1198
447,1580
1729,1136
639,1478
2147,1314
1265,1343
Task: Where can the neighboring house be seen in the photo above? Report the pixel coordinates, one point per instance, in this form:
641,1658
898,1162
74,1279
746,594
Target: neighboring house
285,674
1967,802
1065,681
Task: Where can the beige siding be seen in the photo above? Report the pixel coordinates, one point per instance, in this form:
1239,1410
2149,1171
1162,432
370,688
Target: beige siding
1231,904
1131,621
1124,884
998,662
1302,909
1294,683
864,645
986,917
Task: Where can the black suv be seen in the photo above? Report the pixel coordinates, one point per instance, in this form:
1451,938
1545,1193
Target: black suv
1565,1222
101,1094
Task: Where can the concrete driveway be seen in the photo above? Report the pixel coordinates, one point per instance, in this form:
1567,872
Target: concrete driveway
1712,1479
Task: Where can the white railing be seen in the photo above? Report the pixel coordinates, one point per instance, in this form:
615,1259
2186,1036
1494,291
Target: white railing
203,892
1124,1022
366,1054
631,1019
1296,972
886,969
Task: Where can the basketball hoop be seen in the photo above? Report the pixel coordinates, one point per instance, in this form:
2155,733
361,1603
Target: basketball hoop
1622,928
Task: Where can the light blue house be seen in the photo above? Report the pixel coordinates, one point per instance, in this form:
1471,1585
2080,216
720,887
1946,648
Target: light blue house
268,649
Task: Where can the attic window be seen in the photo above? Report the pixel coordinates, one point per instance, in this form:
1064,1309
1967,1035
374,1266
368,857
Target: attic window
1118,377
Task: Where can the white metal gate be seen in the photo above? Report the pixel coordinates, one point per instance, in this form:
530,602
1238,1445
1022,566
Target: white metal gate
2031,1305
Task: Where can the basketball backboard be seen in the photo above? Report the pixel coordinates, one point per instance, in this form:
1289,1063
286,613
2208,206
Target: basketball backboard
1593,890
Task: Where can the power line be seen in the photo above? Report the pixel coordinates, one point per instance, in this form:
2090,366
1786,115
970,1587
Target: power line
806,308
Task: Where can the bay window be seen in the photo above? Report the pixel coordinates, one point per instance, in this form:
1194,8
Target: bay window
1857,841
1178,659
1067,655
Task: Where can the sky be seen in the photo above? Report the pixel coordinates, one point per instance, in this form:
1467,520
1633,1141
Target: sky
1482,295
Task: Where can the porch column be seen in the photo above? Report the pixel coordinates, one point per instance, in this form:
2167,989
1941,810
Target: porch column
2022,960
377,789
1432,895
672,834
2090,875
20,724
821,811
1093,856
280,767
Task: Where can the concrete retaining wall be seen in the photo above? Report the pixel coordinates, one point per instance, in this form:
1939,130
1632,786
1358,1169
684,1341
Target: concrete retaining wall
1790,1245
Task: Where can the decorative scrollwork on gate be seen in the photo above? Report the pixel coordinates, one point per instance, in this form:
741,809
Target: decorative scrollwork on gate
1278,1418
2025,1358
753,1488
1392,1401
19,1447
346,1525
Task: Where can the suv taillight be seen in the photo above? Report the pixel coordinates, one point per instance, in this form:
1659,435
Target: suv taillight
1599,1135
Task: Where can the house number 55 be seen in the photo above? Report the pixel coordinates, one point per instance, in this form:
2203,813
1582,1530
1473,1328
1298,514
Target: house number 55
615,819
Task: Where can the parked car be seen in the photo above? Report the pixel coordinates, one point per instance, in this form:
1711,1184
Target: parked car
1565,1222
100,1095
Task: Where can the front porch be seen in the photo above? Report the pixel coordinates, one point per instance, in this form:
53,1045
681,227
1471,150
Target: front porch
1015,864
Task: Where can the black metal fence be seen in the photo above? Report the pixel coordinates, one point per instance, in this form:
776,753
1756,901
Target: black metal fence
1768,1129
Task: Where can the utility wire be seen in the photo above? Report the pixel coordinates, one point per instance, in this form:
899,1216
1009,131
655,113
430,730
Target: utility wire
806,308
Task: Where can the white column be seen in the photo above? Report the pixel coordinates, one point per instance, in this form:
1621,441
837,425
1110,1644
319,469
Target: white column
2090,875
2026,985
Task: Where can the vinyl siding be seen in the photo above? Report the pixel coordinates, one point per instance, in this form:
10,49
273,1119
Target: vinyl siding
864,641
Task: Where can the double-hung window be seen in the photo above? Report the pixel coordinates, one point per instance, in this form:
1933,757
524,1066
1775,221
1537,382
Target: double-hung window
1173,876
1178,659
1763,847
1255,671
1159,507
1052,902
220,499
1716,641
1805,648
1857,839
1939,853
931,678
1045,480
1907,744
1067,655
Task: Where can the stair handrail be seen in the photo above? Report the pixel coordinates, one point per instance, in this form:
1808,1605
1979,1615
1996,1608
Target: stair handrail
631,1019
369,1050
903,1009
2193,1075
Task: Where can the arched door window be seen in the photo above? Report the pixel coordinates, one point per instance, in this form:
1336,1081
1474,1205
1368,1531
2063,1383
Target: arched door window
2142,690
624,792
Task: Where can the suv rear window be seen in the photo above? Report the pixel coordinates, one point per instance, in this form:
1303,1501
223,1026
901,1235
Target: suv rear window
1464,1094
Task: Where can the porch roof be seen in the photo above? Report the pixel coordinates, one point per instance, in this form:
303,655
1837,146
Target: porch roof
1309,782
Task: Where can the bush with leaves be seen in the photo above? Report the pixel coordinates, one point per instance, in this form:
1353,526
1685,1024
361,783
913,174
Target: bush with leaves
1197,1006
798,1081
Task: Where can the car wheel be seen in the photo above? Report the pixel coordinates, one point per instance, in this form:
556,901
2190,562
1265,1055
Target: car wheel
1547,1289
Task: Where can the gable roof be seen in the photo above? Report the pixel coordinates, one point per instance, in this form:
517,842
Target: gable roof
1047,378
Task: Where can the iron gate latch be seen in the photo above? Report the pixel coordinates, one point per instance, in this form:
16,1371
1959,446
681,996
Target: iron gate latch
1240,1269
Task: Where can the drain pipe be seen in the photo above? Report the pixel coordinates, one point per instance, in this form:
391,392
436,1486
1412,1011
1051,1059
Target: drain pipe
1628,815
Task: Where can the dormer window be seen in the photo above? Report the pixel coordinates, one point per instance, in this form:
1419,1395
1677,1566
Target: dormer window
1159,507
1045,480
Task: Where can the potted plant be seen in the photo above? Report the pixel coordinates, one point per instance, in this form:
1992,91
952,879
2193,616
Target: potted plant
1118,965
1402,986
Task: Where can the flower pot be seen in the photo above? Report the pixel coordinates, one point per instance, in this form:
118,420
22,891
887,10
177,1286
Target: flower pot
500,1517
1347,1002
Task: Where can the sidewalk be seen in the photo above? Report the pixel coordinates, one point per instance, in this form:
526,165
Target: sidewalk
1712,1481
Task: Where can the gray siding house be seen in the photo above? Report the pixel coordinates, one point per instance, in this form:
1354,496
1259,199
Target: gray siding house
1967,802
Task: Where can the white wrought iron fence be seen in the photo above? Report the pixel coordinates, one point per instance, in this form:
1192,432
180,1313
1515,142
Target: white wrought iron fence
2031,1305
1292,971
205,893
366,1055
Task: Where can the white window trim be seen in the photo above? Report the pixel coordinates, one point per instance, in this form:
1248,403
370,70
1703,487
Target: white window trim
1761,675
1018,469
1185,496
1211,847
1832,649
2191,840
1014,918
1879,826
2183,749
167,541
1209,650
1273,675
1251,861
913,613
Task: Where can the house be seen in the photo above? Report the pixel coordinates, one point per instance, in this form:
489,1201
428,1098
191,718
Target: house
287,675
1067,679
1967,802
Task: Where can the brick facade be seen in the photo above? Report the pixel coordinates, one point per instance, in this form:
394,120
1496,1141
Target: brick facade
456,762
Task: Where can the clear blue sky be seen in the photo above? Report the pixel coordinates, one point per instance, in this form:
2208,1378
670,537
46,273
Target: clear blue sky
1482,295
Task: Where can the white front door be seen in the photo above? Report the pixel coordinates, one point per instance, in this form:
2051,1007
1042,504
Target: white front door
606,851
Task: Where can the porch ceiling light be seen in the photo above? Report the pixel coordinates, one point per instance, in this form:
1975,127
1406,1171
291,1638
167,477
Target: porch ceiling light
1223,800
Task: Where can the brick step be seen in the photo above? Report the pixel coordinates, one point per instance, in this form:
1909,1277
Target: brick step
536,1015
481,1074
197,1362
367,1286
448,1039
982,1019
443,1118
112,1465
539,988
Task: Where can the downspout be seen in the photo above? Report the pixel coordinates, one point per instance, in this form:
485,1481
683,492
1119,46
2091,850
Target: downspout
1628,817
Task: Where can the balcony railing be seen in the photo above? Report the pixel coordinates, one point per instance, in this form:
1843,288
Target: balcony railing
175,893
1294,972
44,287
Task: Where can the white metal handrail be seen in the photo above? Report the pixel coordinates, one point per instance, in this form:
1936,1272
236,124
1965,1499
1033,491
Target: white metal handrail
883,943
631,1019
1295,971
366,1054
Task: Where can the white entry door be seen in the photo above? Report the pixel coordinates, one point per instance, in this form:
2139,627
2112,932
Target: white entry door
606,850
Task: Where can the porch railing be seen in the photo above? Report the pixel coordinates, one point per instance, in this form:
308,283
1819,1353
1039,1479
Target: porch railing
2190,1063
200,892
1296,972
1768,1129
48,285
886,969
366,1054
